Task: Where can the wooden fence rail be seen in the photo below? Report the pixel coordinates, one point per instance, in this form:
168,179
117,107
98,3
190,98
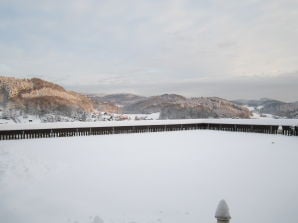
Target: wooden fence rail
77,131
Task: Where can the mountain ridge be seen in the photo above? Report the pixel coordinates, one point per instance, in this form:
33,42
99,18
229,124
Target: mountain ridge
37,96
173,106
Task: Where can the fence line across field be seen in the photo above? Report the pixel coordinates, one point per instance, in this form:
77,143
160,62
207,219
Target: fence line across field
86,131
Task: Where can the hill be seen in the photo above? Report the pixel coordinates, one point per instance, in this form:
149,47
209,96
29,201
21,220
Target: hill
39,97
122,99
172,106
36,96
271,106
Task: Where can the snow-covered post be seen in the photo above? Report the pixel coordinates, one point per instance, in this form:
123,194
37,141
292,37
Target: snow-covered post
222,213
280,130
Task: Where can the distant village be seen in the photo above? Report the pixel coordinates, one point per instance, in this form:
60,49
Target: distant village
18,116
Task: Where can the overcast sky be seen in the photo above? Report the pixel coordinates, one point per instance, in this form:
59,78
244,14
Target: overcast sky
226,48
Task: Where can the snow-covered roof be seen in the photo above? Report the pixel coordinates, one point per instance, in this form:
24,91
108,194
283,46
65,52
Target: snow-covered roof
291,122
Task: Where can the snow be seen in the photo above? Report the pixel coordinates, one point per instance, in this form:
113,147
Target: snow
255,111
153,116
222,211
256,115
267,121
250,108
165,177
20,119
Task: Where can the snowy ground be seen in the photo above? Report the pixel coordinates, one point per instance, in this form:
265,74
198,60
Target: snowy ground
168,177
18,119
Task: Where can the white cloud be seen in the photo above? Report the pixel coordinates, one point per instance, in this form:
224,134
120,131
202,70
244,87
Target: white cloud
86,41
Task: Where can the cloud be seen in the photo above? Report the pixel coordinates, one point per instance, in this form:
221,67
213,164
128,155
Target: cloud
282,87
84,42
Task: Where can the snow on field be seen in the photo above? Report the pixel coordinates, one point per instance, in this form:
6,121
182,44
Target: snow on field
166,177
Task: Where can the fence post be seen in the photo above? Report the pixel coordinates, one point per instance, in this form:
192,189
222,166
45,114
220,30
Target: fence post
222,213
280,130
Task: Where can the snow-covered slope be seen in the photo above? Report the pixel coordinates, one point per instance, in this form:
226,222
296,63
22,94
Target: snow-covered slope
167,177
270,107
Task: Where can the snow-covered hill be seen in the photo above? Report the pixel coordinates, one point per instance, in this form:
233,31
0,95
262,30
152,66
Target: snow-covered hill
52,103
265,107
172,106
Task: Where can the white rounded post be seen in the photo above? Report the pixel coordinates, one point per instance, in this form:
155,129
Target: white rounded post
222,213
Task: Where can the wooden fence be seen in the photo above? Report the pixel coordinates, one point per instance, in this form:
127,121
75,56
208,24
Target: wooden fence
77,131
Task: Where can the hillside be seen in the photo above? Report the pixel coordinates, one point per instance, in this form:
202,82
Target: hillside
42,98
103,105
170,106
173,106
36,96
113,103
271,106
122,99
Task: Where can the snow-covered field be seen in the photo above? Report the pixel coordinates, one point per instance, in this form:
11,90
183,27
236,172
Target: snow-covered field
168,177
